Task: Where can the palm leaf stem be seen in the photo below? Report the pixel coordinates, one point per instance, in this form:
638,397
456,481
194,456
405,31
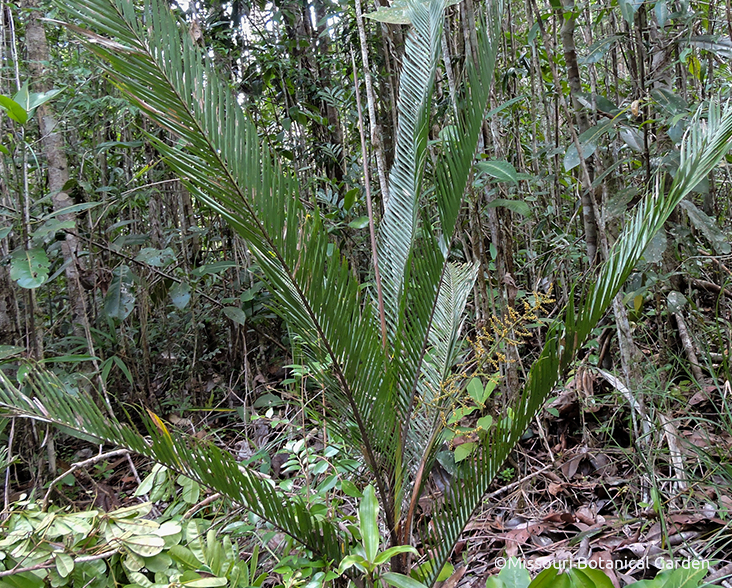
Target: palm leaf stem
452,179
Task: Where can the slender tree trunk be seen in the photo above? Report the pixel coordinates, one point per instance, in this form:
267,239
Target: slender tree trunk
52,143
371,100
589,206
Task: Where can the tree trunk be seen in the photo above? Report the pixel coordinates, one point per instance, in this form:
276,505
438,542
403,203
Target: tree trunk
52,144
575,88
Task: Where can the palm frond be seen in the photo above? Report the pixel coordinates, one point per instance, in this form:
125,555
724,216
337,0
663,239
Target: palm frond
399,225
220,160
702,150
429,273
51,402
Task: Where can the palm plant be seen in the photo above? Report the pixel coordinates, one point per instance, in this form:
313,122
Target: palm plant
382,360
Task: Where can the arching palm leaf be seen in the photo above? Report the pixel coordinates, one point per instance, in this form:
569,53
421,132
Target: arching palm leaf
48,400
707,142
221,161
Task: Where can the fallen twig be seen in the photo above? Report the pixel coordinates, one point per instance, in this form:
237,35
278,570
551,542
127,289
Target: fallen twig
688,347
77,466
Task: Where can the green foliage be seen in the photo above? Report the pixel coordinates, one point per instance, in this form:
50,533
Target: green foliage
120,299
123,547
22,106
367,556
29,267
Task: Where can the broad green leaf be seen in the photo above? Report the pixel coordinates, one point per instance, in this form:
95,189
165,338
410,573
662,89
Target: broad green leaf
387,554
368,521
425,569
507,104
350,489
353,560
460,413
517,206
550,578
687,577
236,314
185,556
206,583
350,198
144,545
597,102
589,140
632,138
485,422
64,564
593,578
180,295
120,299
662,12
149,481
213,268
10,351
514,574
401,581
22,96
191,489
446,571
463,451
36,99
707,226
50,228
14,110
475,390
23,580
156,257
638,302
578,579
494,582
670,101
596,52
158,563
73,209
29,267
502,171
133,525
628,8
360,223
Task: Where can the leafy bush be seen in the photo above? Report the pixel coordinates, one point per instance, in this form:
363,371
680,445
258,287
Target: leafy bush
94,549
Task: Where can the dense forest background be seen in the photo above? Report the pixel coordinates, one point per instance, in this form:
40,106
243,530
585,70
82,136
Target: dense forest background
118,279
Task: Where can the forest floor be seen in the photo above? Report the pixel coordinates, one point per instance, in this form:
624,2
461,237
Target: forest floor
577,488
